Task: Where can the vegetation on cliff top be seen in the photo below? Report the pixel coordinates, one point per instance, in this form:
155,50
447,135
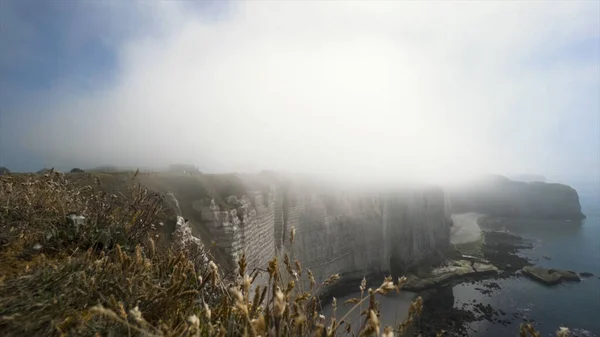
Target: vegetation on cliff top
119,274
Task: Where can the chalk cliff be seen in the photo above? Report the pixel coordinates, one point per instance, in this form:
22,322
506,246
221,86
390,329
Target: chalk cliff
499,196
351,234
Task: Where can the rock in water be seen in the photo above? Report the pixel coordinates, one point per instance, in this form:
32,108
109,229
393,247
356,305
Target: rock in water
550,276
483,268
568,275
586,274
443,275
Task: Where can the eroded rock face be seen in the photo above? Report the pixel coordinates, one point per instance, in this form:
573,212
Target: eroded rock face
186,241
248,228
499,196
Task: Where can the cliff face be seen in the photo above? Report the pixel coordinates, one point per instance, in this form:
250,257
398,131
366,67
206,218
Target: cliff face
418,223
499,196
336,234
247,228
351,234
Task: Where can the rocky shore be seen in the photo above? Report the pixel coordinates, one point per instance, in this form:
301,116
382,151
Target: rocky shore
495,257
479,266
499,251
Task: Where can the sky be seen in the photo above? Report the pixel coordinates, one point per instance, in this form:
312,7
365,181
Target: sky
361,90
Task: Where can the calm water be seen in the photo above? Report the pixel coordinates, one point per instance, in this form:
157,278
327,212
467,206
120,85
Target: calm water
569,246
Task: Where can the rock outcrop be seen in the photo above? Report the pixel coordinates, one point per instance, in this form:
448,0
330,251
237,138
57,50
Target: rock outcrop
499,196
550,276
185,241
443,275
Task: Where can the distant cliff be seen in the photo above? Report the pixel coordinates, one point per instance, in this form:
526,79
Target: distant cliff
500,196
528,178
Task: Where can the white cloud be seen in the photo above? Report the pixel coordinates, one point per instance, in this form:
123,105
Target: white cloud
352,88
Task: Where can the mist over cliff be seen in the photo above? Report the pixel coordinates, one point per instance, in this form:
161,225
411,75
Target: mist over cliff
499,196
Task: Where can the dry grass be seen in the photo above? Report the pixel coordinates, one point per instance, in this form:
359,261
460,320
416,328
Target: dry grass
109,277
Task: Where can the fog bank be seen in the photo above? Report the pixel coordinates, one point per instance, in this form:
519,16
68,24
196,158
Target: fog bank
357,90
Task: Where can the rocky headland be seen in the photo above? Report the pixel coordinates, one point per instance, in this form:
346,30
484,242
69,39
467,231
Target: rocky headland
498,196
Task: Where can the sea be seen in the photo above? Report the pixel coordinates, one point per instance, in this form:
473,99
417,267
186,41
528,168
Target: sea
556,244
560,245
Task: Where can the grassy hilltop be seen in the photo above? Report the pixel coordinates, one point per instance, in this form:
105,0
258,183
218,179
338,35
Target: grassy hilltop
123,273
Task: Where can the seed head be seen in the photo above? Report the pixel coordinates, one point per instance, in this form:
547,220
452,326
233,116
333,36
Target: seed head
207,312
386,286
387,332
299,320
352,301
331,279
238,298
363,285
374,321
213,266
194,321
311,278
298,267
259,323
272,267
279,302
136,313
